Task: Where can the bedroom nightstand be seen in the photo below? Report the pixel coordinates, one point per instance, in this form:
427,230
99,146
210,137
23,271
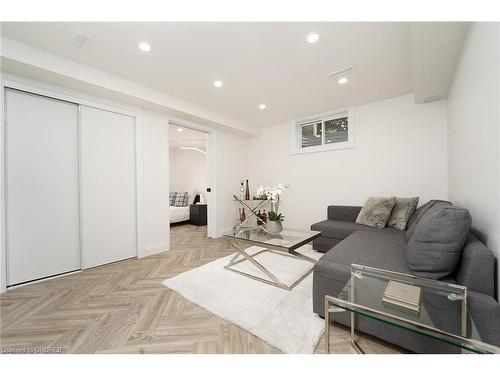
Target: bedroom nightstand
198,214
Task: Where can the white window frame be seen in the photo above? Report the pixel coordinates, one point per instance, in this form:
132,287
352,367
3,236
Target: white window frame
296,133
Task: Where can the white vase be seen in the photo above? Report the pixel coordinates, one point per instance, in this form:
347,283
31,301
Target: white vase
274,227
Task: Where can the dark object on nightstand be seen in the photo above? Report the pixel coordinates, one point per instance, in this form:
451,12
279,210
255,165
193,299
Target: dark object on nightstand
198,214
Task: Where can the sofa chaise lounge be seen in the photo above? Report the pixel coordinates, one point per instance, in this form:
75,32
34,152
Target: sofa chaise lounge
345,242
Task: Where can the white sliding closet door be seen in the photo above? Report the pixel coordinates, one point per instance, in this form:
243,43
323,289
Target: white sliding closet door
42,214
107,155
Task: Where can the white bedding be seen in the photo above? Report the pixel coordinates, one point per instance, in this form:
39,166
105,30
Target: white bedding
178,214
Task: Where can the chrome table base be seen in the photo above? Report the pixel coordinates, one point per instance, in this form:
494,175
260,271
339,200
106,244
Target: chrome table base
241,256
328,324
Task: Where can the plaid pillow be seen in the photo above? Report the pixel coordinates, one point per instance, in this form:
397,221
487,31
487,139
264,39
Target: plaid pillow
172,197
181,199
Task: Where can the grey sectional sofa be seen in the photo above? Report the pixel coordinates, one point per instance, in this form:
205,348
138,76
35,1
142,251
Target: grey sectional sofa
346,242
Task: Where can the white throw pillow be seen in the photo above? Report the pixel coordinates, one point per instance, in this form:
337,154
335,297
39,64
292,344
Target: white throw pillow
191,195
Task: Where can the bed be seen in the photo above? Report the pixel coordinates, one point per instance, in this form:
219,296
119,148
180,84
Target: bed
180,215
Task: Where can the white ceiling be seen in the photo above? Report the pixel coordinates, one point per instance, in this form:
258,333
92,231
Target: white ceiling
267,63
436,47
187,138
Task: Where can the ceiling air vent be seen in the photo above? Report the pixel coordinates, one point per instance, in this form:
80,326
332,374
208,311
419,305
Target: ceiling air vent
80,40
341,73
432,99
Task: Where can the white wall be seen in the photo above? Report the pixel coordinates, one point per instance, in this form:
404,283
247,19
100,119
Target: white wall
156,182
474,135
188,170
400,149
231,166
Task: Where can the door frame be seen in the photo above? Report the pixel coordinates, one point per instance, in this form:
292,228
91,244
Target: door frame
212,224
28,85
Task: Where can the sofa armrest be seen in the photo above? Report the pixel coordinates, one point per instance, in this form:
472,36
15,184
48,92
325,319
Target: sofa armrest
344,213
485,312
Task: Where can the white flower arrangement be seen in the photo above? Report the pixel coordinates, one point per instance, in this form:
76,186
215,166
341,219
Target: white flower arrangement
270,193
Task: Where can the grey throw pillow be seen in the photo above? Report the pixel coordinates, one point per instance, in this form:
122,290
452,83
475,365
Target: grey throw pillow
376,211
428,208
435,249
402,211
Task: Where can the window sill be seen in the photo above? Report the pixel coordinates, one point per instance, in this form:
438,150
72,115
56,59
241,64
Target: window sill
322,148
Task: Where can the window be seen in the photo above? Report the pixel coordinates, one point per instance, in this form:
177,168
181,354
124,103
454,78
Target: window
311,134
330,131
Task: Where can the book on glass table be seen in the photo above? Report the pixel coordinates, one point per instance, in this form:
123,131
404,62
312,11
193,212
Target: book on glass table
402,297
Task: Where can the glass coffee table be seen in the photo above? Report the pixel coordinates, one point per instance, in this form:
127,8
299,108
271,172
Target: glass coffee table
284,244
443,315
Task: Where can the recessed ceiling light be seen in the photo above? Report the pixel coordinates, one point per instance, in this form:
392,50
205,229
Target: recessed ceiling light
262,106
180,129
143,46
218,83
343,80
312,38
193,149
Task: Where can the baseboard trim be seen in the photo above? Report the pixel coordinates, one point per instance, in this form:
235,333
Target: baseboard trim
221,232
20,285
154,249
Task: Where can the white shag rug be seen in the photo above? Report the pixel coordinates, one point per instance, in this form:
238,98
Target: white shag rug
282,318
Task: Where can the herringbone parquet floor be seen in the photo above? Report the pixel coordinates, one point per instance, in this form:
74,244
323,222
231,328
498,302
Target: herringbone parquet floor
123,308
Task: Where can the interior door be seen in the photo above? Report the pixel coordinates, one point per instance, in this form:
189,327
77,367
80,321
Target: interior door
108,183
42,214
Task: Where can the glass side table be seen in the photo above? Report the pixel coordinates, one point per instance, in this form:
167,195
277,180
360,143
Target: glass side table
444,315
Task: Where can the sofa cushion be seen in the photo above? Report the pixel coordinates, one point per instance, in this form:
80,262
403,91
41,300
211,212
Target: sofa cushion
345,213
435,248
376,211
485,311
477,267
431,206
324,244
373,249
402,211
340,229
